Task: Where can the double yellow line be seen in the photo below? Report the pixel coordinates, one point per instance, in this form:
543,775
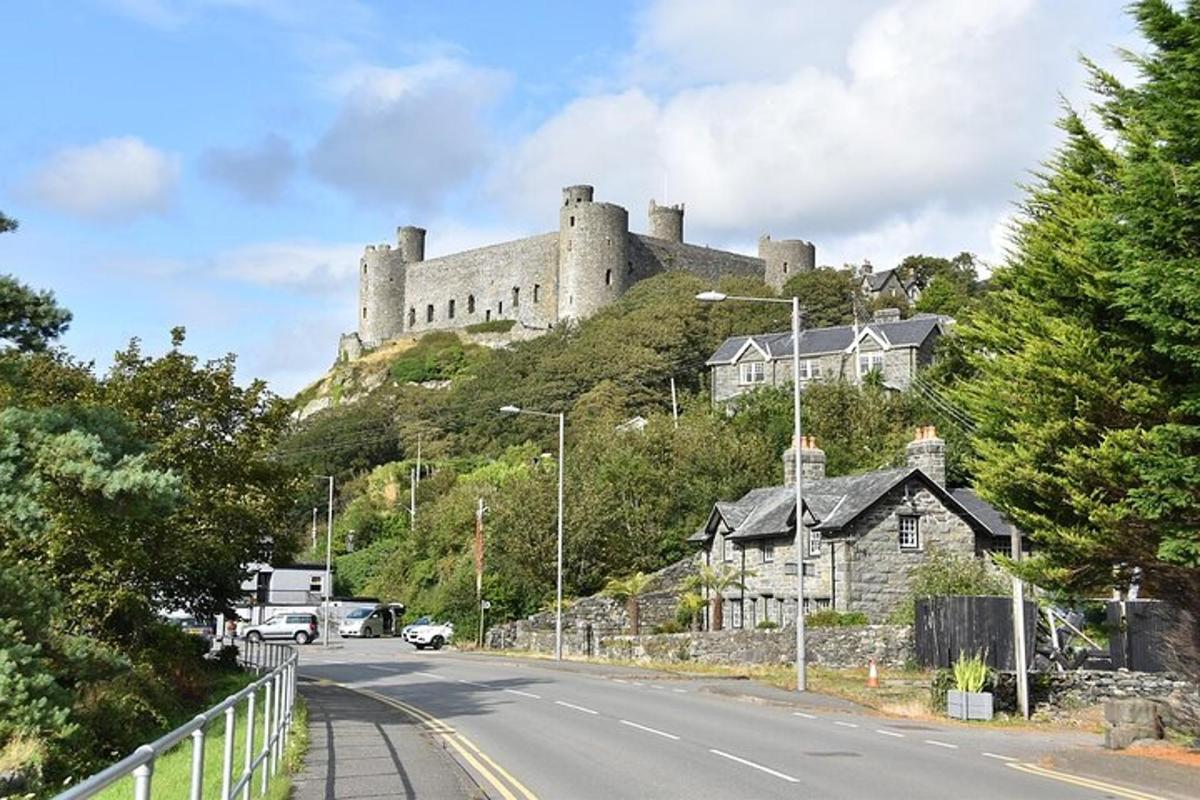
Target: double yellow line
500,779
1088,783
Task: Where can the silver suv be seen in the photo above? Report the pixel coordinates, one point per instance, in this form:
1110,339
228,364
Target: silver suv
300,627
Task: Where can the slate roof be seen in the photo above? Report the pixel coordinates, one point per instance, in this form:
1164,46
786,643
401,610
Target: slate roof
818,341
832,504
876,280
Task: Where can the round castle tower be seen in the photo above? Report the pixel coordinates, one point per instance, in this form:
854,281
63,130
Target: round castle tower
593,253
381,285
666,222
784,258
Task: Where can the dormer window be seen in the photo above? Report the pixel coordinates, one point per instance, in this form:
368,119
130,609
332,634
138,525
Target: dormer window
910,532
752,372
814,543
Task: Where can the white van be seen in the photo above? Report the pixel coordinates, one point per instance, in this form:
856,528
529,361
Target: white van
369,622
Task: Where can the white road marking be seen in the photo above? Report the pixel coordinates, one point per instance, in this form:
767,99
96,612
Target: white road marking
656,686
655,731
802,714
637,683
524,694
845,724
1000,757
431,675
889,733
679,691
936,743
473,683
620,680
577,708
759,767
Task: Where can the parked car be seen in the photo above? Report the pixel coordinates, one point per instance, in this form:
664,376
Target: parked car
195,627
371,621
419,621
430,635
302,628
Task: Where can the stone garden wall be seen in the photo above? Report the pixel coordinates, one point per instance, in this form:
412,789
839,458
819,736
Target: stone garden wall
1060,694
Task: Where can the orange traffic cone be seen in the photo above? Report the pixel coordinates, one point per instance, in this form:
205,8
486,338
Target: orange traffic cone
872,676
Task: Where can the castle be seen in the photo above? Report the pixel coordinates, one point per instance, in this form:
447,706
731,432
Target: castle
590,261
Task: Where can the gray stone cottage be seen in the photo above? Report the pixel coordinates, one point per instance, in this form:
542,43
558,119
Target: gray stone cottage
896,348
863,534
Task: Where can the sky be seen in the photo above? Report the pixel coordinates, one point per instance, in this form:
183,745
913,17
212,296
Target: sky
220,164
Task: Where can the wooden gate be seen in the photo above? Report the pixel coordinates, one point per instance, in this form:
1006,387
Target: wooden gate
1137,632
947,626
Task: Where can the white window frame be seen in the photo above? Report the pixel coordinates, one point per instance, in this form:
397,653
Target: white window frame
814,543
810,369
768,553
752,373
736,611
874,361
903,537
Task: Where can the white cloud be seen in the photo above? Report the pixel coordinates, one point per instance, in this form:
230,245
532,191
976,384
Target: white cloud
312,267
921,110
408,136
114,180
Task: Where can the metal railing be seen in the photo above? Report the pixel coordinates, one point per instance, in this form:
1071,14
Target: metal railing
278,688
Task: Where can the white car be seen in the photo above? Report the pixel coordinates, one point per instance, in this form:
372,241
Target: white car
302,628
431,635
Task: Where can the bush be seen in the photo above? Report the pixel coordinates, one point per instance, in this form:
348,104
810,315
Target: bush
942,682
767,625
835,619
436,356
670,626
970,674
492,326
942,574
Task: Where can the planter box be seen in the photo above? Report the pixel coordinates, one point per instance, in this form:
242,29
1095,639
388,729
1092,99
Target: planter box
969,705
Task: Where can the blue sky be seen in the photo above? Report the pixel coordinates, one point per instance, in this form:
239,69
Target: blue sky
220,163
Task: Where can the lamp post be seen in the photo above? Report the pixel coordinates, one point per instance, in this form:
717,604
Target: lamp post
794,302
328,583
558,594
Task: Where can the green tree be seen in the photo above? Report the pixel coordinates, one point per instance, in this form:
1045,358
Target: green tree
29,319
827,296
629,590
1086,354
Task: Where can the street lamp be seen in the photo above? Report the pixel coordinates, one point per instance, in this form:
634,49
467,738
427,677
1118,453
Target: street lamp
558,595
718,297
328,583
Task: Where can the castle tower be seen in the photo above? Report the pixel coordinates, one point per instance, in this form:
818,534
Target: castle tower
412,243
380,294
784,258
593,252
666,222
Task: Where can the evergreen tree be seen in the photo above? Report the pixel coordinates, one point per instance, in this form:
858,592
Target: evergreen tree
1086,354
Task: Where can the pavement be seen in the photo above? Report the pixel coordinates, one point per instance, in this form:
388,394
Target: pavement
525,729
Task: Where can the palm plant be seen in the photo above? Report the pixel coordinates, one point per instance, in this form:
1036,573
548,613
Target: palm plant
629,591
691,604
718,581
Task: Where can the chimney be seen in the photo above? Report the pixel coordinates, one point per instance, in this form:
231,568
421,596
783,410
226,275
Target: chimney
812,462
887,315
927,452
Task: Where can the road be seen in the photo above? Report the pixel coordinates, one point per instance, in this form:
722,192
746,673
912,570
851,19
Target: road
526,729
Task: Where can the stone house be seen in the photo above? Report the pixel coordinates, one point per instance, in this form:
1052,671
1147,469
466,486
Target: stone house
862,536
894,347
887,283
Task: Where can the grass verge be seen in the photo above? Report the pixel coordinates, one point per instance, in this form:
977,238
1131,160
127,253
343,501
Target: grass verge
172,770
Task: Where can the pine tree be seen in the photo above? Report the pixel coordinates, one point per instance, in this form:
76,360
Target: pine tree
1085,361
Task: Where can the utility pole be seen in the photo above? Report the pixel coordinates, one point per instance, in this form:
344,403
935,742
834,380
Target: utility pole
329,564
418,458
314,529
412,499
479,566
1018,598
674,404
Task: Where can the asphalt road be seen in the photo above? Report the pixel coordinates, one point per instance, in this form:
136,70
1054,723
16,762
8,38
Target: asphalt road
527,729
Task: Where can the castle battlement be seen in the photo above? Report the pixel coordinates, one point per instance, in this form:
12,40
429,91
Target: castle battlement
540,281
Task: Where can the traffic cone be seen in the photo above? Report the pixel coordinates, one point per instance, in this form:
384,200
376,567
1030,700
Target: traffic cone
872,676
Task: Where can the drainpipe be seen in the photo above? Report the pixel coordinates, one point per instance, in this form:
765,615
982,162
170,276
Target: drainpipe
742,615
832,576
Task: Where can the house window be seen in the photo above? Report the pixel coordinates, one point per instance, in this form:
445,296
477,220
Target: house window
751,372
537,292
810,368
814,543
429,313
608,277
314,583
910,532
725,550
789,611
412,317
810,570
470,304
516,297
450,309
789,568
768,552
869,362
735,613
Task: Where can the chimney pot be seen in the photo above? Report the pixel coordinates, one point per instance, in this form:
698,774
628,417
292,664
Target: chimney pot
927,452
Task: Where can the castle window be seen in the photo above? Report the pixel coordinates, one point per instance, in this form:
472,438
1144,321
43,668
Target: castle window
536,291
785,268
500,309
629,267
608,277
572,220
470,304
516,296
364,269
487,315
412,317
364,312
429,313
450,310
570,245
910,532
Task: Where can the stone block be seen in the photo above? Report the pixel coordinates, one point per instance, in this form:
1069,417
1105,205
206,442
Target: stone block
1132,711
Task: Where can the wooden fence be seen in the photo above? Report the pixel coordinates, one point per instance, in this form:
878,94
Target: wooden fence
1136,633
947,626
